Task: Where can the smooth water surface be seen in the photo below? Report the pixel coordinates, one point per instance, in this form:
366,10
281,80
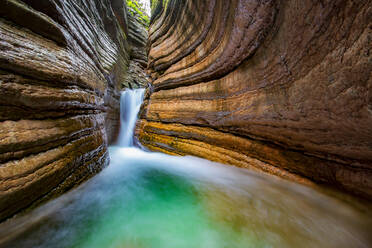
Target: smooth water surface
155,200
158,201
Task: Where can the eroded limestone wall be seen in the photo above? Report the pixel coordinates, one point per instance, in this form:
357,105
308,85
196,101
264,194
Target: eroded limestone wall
61,66
278,86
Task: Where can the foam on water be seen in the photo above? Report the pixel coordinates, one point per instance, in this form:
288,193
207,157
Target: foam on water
155,200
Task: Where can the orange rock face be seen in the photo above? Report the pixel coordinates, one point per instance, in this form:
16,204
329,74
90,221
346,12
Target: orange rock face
61,65
279,86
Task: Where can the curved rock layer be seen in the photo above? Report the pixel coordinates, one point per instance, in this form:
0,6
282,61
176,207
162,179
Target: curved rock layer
279,86
61,65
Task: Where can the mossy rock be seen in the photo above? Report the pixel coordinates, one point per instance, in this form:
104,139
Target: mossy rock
137,10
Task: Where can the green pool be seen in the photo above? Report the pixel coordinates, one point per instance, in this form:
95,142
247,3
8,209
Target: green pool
158,201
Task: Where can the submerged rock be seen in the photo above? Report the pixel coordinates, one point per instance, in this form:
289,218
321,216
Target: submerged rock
277,86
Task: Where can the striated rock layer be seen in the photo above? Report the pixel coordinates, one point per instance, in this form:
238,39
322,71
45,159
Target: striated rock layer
136,76
279,86
61,65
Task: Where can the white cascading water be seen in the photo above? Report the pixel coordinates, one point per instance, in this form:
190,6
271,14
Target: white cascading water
130,104
149,199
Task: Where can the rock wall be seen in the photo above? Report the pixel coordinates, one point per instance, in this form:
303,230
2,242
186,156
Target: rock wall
278,86
61,66
137,37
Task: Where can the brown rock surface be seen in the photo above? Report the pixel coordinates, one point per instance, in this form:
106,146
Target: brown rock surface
282,86
137,37
61,66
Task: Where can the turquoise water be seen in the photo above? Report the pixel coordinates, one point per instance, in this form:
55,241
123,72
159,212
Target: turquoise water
155,200
152,200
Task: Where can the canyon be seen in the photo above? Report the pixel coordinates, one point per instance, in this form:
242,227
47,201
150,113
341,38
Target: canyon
279,87
283,87
62,65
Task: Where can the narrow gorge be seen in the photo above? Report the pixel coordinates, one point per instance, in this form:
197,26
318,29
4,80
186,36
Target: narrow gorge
254,123
277,86
62,66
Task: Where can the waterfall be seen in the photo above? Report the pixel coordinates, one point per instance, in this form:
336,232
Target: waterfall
150,199
130,104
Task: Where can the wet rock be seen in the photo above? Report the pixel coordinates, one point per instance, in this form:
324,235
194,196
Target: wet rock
280,86
137,37
61,68
137,77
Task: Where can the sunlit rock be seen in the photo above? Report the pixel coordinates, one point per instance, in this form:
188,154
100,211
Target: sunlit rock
280,86
62,63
